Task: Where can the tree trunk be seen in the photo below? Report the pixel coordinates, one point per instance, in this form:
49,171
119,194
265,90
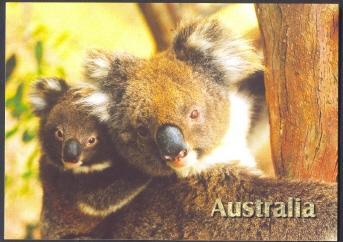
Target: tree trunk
161,19
301,58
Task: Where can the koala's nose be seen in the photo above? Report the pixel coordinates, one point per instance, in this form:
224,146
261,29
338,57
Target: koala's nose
171,143
71,150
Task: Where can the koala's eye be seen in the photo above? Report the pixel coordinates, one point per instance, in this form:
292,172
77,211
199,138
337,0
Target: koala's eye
59,134
194,114
142,131
92,141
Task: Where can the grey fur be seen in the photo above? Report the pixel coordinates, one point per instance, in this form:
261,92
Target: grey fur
172,208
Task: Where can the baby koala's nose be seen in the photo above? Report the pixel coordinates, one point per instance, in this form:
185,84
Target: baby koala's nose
71,151
171,143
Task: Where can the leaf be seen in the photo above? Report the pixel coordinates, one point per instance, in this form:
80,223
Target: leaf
25,187
61,39
16,104
39,51
61,72
31,159
11,132
39,55
30,230
16,98
28,135
10,66
40,31
27,175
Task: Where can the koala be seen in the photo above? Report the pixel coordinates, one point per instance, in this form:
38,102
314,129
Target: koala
175,208
187,111
195,105
83,177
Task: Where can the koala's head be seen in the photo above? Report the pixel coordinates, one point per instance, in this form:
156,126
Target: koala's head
172,111
70,137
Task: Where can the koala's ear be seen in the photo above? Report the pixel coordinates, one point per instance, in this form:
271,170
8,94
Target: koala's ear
45,93
96,102
211,48
108,70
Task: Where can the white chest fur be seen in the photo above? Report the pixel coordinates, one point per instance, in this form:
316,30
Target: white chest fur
234,146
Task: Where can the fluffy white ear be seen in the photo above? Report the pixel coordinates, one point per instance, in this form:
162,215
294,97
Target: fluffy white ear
106,69
211,48
95,102
98,64
45,93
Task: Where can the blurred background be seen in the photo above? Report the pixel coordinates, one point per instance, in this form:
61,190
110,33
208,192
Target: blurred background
51,39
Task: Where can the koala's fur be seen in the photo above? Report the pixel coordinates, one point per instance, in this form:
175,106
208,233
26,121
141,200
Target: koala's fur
173,208
207,69
77,199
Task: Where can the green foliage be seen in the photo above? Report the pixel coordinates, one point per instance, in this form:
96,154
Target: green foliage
15,103
28,135
23,125
39,56
12,131
10,65
30,229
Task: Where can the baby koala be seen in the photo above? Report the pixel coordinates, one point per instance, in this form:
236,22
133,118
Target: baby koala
83,178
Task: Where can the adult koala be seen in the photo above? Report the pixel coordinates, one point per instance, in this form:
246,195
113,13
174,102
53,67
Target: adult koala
197,104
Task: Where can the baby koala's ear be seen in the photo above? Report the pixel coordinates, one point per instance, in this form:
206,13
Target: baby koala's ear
211,48
45,93
108,70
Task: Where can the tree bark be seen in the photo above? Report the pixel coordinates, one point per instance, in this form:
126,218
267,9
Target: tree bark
162,18
301,58
162,22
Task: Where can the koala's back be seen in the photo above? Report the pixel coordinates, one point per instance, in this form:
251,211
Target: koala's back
181,209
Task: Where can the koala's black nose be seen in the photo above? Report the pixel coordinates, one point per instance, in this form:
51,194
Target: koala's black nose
71,150
171,143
